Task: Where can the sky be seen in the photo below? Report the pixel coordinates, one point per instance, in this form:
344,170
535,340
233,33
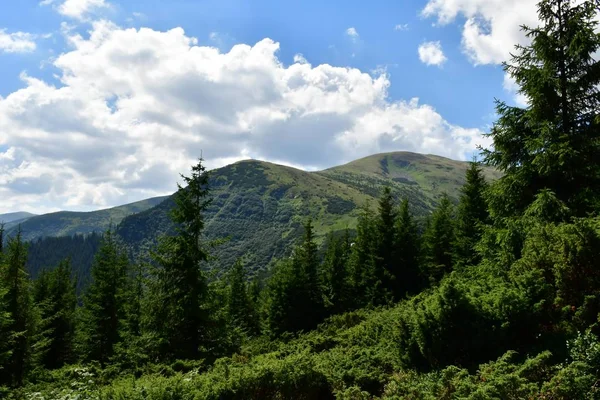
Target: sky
105,102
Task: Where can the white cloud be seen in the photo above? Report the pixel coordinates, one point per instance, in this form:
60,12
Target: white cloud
77,9
17,42
401,27
135,107
353,33
491,29
300,59
431,53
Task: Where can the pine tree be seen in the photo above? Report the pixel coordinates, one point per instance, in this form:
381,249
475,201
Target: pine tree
471,215
335,273
363,279
6,322
553,143
54,293
439,240
21,329
255,291
408,252
283,298
239,306
386,266
311,297
103,311
179,318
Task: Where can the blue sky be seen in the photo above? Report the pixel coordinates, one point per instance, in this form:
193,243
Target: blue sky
109,96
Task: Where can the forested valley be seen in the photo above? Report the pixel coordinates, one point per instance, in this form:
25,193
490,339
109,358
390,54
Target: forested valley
496,296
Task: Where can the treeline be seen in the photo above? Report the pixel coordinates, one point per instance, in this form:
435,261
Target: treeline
47,252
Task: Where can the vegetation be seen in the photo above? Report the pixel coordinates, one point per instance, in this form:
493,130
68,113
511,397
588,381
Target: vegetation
496,296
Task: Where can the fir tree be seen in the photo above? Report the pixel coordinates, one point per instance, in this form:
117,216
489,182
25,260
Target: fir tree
439,240
408,245
179,319
386,262
363,279
103,311
54,293
554,142
283,298
311,297
19,305
335,273
471,215
239,306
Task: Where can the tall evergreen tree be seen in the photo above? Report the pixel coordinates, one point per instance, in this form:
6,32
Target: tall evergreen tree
6,335
21,329
179,318
54,292
386,262
283,298
239,306
471,215
554,142
103,311
312,306
363,279
408,252
439,240
335,273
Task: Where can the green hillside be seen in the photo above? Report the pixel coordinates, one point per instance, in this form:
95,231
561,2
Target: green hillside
67,223
260,206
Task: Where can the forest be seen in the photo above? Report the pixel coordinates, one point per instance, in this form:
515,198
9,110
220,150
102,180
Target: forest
496,297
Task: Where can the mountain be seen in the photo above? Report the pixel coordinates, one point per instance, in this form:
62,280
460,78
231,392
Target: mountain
68,223
15,216
261,206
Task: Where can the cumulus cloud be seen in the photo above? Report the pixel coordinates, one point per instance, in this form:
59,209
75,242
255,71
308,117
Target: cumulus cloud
77,9
353,33
401,27
431,53
135,107
16,42
299,58
491,28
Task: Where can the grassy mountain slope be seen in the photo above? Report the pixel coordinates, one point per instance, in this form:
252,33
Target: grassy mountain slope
15,216
261,206
67,223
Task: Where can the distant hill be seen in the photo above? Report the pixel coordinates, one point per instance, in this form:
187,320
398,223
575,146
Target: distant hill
68,223
261,206
15,216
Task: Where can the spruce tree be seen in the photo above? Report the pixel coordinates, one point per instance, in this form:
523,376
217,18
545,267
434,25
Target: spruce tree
364,285
439,240
179,319
103,311
283,298
553,143
54,293
408,252
312,308
19,306
6,335
471,215
239,306
335,273
386,263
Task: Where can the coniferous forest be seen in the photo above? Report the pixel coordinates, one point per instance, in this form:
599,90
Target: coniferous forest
496,297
